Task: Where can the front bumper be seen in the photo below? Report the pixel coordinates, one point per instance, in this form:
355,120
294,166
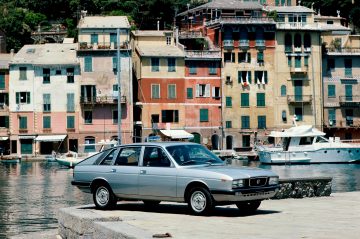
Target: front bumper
245,194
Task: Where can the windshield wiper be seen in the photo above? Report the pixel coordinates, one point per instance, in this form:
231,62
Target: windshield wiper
188,162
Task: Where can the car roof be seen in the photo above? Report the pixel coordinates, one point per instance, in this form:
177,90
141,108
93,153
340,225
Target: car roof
162,144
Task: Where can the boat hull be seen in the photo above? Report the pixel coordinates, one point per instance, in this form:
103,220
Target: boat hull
68,162
326,155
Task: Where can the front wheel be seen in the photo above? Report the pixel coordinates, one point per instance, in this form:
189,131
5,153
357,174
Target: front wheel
104,198
200,201
248,207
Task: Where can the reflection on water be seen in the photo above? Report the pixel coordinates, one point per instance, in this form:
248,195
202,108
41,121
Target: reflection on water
346,177
32,193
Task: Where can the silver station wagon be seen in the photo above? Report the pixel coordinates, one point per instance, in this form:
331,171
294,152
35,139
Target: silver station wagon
172,171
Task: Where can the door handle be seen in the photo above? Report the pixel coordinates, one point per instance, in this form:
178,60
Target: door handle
142,171
113,170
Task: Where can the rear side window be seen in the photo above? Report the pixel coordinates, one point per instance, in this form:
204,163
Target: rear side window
108,158
128,156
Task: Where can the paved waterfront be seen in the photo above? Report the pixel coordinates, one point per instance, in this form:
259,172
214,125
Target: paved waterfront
336,216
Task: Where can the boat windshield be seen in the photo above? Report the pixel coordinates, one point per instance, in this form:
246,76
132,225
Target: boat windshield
320,139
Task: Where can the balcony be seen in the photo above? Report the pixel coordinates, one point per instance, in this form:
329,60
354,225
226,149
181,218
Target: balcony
228,44
105,99
343,51
244,44
297,49
299,70
260,44
240,20
104,46
350,100
304,99
297,25
208,54
190,34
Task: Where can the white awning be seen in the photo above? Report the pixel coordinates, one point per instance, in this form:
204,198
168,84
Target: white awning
50,138
3,138
27,136
177,134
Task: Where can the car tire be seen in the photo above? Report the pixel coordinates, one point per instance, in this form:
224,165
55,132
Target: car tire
104,198
248,207
151,203
200,201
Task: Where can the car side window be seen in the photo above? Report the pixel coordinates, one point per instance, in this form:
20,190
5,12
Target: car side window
155,157
128,156
107,160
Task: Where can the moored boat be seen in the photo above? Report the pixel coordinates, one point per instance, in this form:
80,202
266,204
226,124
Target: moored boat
305,144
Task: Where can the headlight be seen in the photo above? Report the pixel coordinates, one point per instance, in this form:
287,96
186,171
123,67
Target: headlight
273,180
238,183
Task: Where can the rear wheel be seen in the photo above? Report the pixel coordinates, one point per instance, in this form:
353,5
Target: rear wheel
248,207
103,197
151,203
200,201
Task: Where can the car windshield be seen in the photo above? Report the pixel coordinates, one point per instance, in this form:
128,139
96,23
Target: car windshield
188,154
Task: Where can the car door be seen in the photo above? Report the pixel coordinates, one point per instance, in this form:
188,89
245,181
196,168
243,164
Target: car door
157,177
125,171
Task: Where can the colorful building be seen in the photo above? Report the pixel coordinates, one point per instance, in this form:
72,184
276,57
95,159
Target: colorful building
4,104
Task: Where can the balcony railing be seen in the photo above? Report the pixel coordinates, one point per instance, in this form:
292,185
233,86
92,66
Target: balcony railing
240,20
260,43
343,51
190,34
244,44
85,46
305,99
288,49
105,99
299,70
349,100
228,44
297,25
203,54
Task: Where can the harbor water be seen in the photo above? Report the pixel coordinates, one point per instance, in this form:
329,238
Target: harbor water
32,192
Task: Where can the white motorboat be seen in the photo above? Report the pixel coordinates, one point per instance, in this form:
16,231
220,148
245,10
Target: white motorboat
71,158
305,144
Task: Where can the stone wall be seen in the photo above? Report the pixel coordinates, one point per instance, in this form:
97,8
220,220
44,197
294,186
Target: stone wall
304,187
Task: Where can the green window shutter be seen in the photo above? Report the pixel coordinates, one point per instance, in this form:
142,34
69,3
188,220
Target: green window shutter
189,93
228,101
283,90
88,64
266,77
306,61
262,122
331,91
28,97
6,121
204,115
113,38
176,116
17,97
46,122
228,124
94,38
70,122
2,80
70,102
260,99
239,76
155,62
245,122
23,122
249,76
244,99
289,61
163,116
115,64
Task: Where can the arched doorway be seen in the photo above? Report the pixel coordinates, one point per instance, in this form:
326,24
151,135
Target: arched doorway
229,142
197,138
215,142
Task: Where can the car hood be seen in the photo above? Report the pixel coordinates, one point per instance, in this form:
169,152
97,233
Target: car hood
238,172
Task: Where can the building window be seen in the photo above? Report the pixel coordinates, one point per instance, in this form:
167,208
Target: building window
155,118
70,106
88,64
114,64
261,77
283,90
244,57
212,68
283,116
168,40
155,91
348,93
23,73
297,61
94,38
88,116
70,75
331,91
46,122
192,68
172,91
189,93
46,76
115,117
216,92
113,39
89,144
299,113
244,77
330,64
228,101
170,116
22,97
229,57
261,122
348,67
332,117
260,58
22,122
260,99
245,100
289,61
349,116
228,124
306,61
155,62
245,122
46,103
58,72
204,115
171,64
2,80
4,122
70,122
202,90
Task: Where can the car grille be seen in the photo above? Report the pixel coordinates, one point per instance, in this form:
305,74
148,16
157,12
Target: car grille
258,182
